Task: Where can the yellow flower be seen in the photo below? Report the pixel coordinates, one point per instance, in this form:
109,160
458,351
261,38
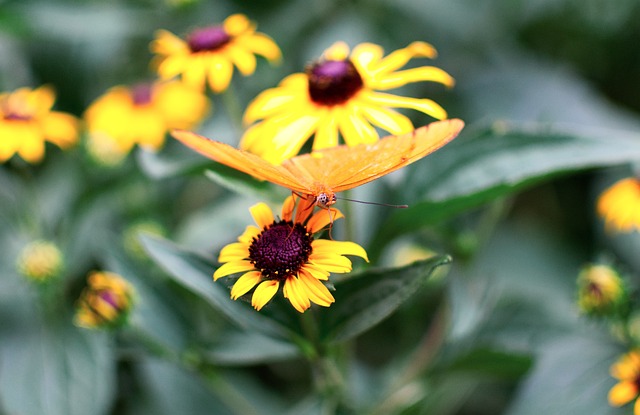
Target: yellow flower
619,205
105,302
627,371
339,95
40,261
141,114
209,53
26,122
600,289
285,251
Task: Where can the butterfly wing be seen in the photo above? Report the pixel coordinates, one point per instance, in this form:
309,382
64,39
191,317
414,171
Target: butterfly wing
245,162
341,168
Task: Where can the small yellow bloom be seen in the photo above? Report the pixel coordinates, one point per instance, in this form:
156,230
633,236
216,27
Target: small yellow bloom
600,289
209,54
26,122
105,302
142,114
619,205
40,261
339,94
284,251
627,371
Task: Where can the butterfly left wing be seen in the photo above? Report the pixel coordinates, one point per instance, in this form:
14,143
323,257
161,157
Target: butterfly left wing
245,162
341,168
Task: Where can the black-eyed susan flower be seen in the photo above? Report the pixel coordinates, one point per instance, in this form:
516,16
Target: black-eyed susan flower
105,301
40,261
209,54
627,371
141,114
285,251
27,121
600,290
340,95
619,205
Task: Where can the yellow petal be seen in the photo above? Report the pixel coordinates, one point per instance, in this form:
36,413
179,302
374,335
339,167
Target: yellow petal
426,106
265,292
232,268
323,218
339,51
622,393
424,73
219,72
166,43
268,103
331,263
236,251
194,73
397,59
316,290
236,24
356,129
262,45
245,283
61,129
325,246
387,119
287,208
366,54
262,214
244,60
316,271
327,133
295,291
249,233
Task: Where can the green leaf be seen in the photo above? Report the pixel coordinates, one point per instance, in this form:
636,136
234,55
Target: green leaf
244,184
575,367
482,166
364,300
195,273
497,363
248,348
55,368
170,162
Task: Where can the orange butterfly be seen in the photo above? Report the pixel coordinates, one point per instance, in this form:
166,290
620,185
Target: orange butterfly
323,173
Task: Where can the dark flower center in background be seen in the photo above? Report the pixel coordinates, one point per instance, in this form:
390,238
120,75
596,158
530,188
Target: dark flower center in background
109,298
141,93
280,250
207,39
333,82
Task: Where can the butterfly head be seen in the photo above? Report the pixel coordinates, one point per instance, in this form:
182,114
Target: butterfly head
324,199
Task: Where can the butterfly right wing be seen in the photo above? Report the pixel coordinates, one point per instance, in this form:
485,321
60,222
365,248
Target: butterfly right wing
244,161
342,167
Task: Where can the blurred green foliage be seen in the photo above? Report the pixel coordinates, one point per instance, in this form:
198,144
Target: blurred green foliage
551,96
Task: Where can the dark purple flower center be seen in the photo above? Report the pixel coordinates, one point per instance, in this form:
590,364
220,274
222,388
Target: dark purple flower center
333,82
207,39
109,298
280,250
142,93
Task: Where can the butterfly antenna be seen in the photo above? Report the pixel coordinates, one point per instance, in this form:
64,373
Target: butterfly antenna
375,203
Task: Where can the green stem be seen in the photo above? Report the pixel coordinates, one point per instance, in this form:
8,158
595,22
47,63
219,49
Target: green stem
232,107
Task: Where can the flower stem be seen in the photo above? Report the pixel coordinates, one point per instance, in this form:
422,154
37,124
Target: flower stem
232,107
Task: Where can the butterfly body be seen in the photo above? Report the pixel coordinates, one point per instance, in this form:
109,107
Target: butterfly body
324,173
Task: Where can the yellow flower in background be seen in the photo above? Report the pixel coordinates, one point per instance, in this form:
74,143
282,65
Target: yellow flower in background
141,114
619,205
285,251
40,261
339,95
26,122
627,371
600,290
209,54
105,301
